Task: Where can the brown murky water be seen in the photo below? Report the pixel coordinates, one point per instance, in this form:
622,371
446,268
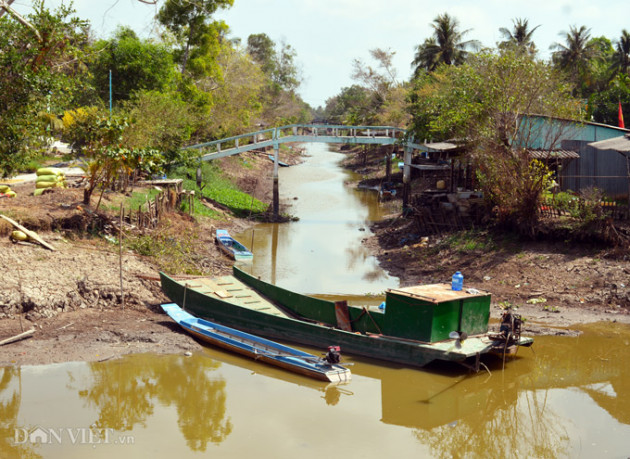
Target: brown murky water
570,397
566,397
322,252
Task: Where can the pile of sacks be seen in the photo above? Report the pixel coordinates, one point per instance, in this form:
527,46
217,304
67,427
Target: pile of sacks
6,192
47,178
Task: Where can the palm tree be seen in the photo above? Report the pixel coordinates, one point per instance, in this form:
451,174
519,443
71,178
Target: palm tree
520,37
575,55
577,52
621,58
445,46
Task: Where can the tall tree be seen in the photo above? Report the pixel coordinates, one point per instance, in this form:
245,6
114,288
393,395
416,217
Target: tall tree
575,54
38,69
190,22
135,65
621,56
520,37
446,46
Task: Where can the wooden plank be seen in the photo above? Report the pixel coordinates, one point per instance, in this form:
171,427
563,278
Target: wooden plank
31,234
222,294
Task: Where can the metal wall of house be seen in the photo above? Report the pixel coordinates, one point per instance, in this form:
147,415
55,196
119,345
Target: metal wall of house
549,133
603,169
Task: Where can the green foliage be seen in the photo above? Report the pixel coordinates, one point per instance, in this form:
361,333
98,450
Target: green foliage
470,241
135,65
217,187
197,36
159,120
446,46
171,254
483,102
37,71
100,137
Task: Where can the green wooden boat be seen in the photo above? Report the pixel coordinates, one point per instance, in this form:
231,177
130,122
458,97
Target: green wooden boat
419,324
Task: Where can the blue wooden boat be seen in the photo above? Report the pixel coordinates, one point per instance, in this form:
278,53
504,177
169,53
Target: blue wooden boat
280,163
322,368
232,247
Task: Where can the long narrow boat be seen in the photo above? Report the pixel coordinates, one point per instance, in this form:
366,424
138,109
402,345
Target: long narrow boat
324,369
418,325
232,247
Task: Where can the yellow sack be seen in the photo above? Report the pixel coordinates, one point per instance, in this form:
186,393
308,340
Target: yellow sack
18,236
48,171
11,194
4,188
49,178
46,184
39,191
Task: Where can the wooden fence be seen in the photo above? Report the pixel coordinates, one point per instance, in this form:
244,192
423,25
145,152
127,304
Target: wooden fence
170,198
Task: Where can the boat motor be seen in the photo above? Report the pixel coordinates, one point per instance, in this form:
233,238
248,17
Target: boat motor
333,355
511,326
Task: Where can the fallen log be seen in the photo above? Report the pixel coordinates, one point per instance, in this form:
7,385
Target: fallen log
26,334
31,234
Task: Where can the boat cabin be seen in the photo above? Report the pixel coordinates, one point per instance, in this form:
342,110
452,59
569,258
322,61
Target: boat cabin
432,312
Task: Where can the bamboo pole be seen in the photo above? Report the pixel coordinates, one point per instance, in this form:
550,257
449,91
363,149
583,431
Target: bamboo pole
120,241
26,334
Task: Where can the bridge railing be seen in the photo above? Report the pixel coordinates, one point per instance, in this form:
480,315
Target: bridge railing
272,137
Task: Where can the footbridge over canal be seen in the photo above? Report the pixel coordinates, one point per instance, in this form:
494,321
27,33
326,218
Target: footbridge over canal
302,133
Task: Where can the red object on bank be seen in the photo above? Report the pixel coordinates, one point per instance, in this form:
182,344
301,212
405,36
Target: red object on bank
621,124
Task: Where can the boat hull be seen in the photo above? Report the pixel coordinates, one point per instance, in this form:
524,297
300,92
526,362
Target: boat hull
258,348
405,352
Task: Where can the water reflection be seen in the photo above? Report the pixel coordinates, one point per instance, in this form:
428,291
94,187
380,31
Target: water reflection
10,402
569,398
124,393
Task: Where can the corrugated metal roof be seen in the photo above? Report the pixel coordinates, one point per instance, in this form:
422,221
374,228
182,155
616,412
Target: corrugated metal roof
553,154
620,144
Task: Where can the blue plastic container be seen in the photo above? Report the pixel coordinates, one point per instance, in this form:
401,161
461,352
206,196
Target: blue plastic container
458,281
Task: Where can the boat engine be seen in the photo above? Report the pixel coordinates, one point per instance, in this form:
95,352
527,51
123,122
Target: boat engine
333,355
511,326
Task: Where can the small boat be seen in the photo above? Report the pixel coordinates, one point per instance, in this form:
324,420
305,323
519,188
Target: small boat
416,326
280,163
323,368
231,246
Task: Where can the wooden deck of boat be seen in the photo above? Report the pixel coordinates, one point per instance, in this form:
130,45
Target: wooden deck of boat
231,290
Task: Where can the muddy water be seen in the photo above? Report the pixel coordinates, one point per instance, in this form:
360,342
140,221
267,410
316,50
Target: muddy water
322,252
569,398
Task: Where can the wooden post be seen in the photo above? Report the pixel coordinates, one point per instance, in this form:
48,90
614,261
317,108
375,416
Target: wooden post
120,241
406,178
276,191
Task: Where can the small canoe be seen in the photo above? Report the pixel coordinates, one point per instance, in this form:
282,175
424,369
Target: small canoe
280,163
322,368
232,247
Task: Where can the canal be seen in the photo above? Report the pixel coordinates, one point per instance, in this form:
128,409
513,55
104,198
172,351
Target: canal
565,397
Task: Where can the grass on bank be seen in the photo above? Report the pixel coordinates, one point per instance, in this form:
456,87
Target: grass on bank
218,188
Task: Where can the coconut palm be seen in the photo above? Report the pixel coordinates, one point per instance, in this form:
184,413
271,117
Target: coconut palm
577,51
520,37
575,54
621,57
445,46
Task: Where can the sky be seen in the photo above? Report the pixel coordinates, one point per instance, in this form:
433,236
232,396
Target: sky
328,35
